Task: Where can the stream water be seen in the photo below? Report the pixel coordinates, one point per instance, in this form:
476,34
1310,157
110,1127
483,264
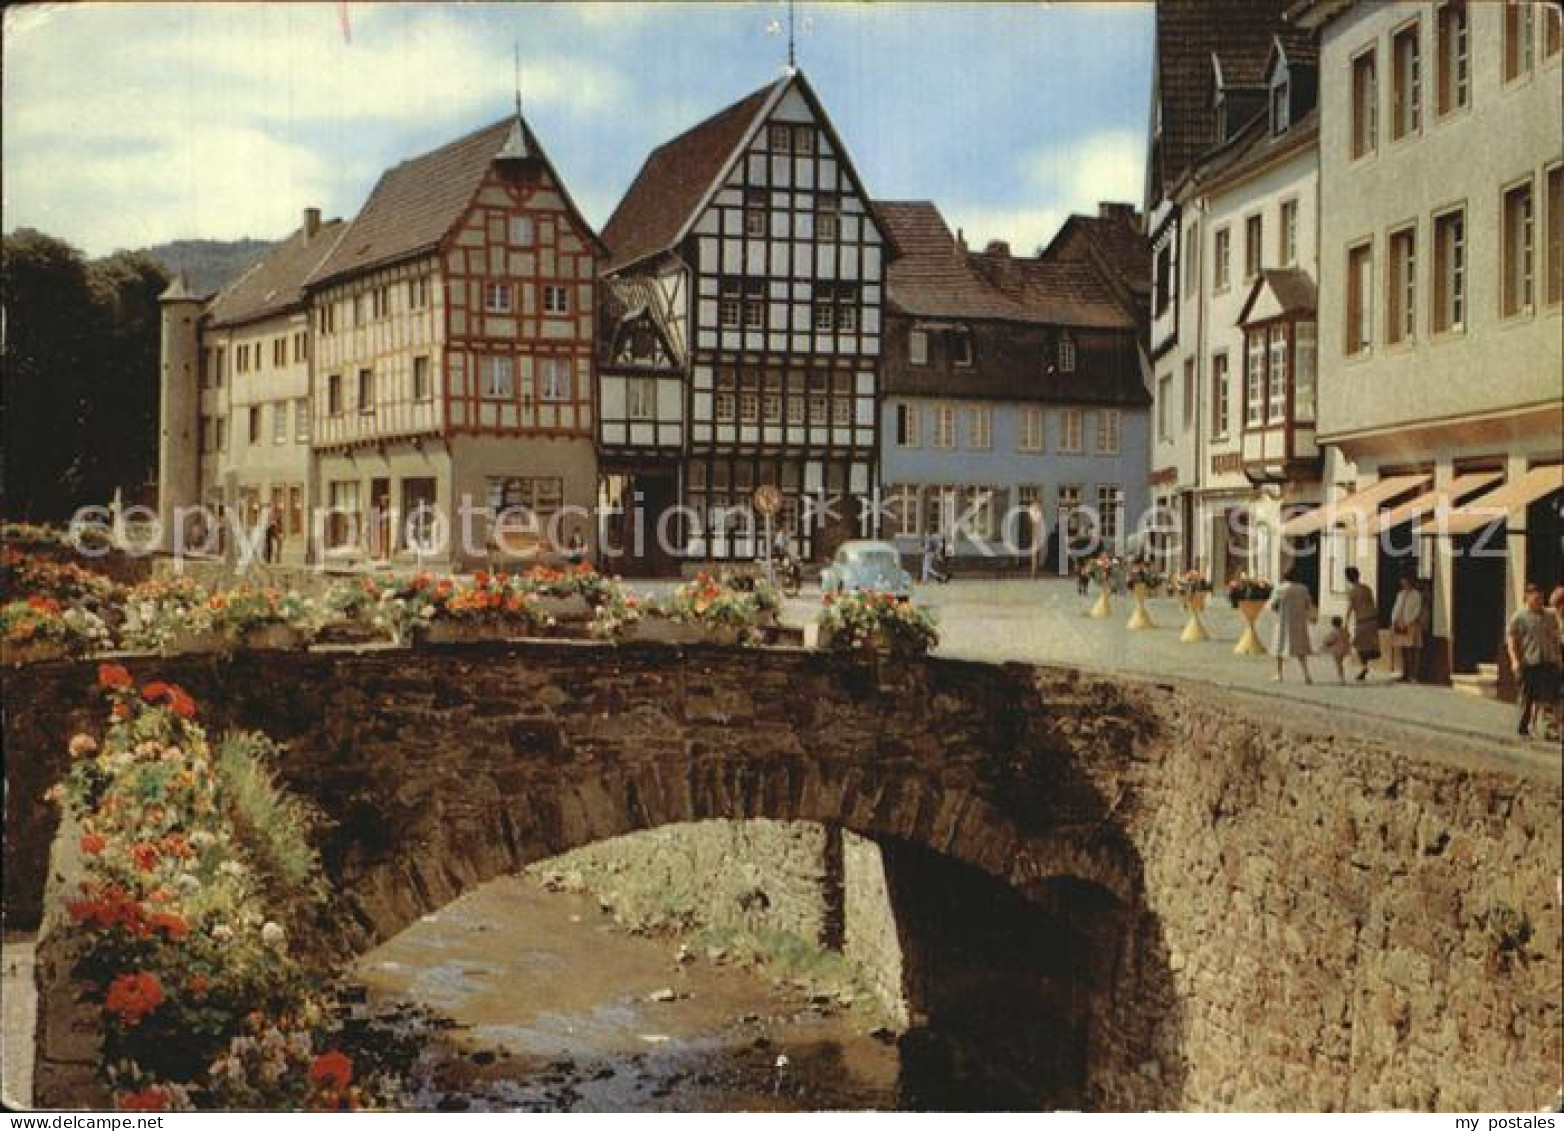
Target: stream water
525,999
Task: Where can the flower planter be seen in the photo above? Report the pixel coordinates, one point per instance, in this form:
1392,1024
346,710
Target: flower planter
728,634
665,630
32,652
1194,628
188,643
445,630
1249,643
1103,608
273,638
1140,619
573,608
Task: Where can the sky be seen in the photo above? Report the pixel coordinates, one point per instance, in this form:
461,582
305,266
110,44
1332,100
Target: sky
129,124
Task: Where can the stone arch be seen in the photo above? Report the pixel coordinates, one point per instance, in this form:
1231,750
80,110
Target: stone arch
441,770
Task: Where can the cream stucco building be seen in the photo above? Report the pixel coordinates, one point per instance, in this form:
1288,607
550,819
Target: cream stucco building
1442,284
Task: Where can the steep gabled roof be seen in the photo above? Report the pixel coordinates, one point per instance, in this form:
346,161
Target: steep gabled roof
677,177
1189,34
276,282
935,277
1118,242
416,203
680,176
1291,288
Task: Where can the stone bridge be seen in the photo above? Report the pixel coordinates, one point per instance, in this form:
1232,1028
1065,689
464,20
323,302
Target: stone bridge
1263,912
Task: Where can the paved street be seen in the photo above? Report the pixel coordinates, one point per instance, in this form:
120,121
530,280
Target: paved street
1045,622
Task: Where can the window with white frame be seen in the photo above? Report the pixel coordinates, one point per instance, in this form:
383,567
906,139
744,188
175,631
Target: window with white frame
1031,438
1406,86
497,298
1164,394
1109,423
556,299
1365,105
641,398
1222,257
301,420
423,388
901,507
749,407
1276,385
498,378
554,383
1072,439
1110,510
1254,379
1066,353
944,426
1401,286
1449,297
907,417
1305,354
366,390
980,427
918,347
1360,299
1454,77
523,232
1288,229
1518,241
1519,38
280,422
730,304
1221,406
828,211
841,410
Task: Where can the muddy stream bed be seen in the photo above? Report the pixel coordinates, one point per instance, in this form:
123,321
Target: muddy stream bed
517,998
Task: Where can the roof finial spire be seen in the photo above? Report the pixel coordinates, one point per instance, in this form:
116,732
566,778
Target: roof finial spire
794,26
515,48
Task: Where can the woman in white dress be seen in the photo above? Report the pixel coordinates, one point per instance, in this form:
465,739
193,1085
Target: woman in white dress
1406,626
1294,609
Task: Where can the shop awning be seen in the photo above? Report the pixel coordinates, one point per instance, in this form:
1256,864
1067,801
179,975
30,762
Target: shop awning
1437,498
1500,504
1356,507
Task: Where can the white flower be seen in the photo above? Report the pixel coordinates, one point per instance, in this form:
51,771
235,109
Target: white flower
223,932
272,934
231,868
203,838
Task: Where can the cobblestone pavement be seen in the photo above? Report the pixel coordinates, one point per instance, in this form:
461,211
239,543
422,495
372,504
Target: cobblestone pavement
1045,622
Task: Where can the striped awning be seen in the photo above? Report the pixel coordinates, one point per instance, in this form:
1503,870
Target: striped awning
1500,504
1356,508
1437,498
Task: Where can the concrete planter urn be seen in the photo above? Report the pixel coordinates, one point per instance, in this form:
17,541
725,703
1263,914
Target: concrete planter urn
1103,609
32,652
1249,643
273,638
1194,628
1140,619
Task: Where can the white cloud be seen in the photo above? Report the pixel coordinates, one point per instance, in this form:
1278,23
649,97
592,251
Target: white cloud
1103,166
136,123
1024,229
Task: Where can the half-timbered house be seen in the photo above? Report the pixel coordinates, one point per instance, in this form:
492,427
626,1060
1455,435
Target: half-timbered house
748,258
454,371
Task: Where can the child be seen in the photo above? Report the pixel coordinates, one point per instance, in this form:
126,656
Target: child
1337,645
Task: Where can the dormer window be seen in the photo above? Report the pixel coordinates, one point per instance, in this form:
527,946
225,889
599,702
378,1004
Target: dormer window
961,346
1281,115
1066,354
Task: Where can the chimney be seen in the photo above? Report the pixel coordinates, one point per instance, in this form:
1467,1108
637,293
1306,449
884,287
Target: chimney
311,223
997,247
1113,210
961,242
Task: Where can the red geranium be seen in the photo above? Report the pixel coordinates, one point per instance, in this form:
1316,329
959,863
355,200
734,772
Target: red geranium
170,923
113,677
177,699
148,1099
132,996
332,1070
93,843
145,855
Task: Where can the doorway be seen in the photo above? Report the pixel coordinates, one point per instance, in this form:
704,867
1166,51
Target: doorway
380,510
1477,598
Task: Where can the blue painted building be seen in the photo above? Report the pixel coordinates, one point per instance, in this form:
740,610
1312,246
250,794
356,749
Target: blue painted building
1013,395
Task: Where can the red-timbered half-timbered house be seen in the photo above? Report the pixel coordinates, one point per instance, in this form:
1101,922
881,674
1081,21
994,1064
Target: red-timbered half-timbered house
454,384
747,260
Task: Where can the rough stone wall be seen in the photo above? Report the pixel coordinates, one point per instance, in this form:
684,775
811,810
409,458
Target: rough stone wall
756,876
1316,917
870,939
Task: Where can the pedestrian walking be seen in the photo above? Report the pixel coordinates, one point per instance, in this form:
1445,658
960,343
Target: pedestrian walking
933,545
1533,639
273,534
1294,609
1338,646
1406,626
1364,611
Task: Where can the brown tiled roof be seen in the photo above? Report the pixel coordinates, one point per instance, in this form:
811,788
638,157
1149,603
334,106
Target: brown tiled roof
1189,32
416,203
675,179
275,283
1293,287
1301,47
1254,147
1122,247
935,278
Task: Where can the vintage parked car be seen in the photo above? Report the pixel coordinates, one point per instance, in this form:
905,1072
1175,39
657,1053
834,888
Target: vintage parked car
866,565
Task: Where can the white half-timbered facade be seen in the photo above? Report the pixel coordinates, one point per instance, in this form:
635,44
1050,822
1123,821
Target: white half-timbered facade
754,231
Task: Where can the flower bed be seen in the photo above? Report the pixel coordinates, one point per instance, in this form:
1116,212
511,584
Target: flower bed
723,612
263,618
196,872
40,628
869,621
159,612
1246,588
